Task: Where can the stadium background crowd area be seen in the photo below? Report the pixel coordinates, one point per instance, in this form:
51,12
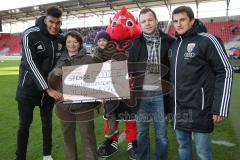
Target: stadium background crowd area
227,31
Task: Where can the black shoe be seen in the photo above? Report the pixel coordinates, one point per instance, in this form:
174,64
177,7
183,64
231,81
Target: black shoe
132,151
107,148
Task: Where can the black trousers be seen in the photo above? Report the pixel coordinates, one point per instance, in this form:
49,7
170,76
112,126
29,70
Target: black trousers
25,110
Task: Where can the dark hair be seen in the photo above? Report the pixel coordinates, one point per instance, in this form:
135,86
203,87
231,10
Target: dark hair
54,11
74,34
145,10
185,9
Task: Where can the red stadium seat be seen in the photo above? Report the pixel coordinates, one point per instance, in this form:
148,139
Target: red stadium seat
12,42
223,30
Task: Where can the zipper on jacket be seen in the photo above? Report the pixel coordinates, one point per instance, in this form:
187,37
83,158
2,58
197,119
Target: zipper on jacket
202,98
24,77
53,53
175,84
42,99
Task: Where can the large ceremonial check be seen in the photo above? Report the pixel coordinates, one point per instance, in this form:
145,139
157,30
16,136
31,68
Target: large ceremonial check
91,82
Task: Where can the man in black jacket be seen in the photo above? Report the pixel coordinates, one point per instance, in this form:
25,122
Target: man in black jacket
148,66
41,47
202,77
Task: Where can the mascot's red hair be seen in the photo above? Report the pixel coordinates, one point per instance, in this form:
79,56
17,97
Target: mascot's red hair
123,28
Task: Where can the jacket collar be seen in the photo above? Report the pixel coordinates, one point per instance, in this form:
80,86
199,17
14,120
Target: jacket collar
160,32
65,56
198,27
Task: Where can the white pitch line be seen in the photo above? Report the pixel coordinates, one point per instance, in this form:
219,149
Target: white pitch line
223,143
121,138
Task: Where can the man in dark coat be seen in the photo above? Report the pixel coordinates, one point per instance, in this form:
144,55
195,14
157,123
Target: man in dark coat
148,65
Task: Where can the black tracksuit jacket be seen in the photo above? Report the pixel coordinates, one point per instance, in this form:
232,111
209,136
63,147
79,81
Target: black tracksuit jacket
202,79
40,51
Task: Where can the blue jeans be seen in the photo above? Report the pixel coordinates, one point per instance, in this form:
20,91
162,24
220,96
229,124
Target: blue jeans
151,108
202,143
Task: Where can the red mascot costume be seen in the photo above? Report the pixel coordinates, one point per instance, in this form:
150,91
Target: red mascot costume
123,28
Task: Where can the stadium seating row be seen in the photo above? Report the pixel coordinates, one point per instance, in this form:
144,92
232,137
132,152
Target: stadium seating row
10,44
224,30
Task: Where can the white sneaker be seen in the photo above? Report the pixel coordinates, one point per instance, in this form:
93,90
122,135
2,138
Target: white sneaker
47,157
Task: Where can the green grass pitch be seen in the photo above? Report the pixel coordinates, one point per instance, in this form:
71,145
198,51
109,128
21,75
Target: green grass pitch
228,131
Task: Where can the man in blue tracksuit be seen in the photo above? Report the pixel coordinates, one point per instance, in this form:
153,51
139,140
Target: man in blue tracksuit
41,47
202,79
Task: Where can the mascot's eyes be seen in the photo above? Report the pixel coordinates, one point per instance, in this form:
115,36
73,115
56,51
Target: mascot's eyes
114,23
129,23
